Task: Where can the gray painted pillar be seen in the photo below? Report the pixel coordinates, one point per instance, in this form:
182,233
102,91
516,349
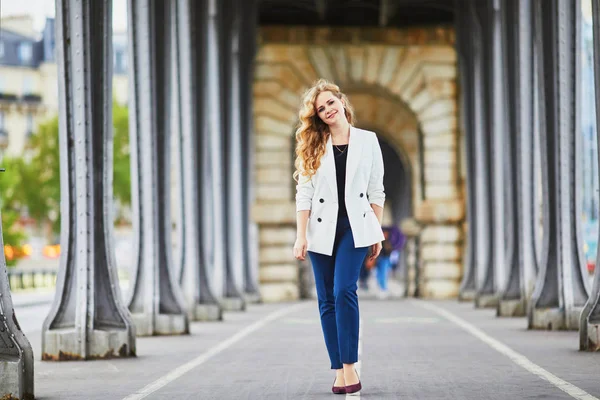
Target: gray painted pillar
200,297
521,261
88,319
16,355
493,276
155,300
589,324
466,59
561,289
232,106
215,243
248,37
483,211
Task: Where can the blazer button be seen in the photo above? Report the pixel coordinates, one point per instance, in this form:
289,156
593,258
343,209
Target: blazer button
319,219
322,201
361,195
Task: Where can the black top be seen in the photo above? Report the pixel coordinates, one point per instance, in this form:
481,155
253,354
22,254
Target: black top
341,156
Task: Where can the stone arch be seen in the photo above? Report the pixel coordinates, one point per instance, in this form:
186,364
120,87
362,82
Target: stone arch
407,93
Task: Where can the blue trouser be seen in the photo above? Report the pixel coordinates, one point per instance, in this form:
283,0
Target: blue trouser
383,269
335,278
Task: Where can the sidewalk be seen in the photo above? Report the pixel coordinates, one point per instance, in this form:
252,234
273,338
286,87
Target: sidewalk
409,349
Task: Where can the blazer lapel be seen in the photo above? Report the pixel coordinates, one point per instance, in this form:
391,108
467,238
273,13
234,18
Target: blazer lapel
329,168
355,148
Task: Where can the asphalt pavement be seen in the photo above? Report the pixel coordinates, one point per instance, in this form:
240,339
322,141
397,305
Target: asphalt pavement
410,349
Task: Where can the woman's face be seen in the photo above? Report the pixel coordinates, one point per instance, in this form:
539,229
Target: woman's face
329,108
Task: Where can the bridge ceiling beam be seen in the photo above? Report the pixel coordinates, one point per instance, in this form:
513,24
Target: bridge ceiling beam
561,288
590,316
88,319
490,120
519,67
155,300
467,55
196,274
321,6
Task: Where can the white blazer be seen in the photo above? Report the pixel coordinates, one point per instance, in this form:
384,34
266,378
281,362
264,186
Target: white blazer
364,186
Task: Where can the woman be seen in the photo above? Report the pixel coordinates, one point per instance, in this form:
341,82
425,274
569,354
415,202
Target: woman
339,204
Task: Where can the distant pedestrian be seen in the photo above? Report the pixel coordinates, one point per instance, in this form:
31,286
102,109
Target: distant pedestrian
339,203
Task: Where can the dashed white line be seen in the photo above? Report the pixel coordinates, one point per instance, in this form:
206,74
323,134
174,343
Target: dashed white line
202,358
517,358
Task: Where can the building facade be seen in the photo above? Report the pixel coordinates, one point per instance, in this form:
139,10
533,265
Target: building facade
29,79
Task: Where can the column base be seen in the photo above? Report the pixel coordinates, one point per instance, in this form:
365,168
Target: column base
205,312
511,308
554,319
65,345
165,324
233,304
252,298
11,379
592,341
467,295
486,301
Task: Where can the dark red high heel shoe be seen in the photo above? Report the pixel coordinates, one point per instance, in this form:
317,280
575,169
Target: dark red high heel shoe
355,387
338,389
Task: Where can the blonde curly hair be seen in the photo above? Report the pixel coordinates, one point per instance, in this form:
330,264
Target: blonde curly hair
312,133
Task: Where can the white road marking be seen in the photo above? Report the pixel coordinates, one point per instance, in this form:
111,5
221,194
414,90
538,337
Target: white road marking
202,358
359,363
517,358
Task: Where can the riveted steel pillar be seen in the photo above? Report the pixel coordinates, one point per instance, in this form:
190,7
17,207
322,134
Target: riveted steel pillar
521,262
466,60
88,318
232,106
561,289
155,301
484,25
16,355
200,297
214,173
589,324
248,37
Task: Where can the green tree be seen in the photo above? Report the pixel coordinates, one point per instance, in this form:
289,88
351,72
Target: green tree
121,160
11,185
41,174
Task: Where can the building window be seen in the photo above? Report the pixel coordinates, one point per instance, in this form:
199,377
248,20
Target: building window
25,52
27,85
29,120
1,49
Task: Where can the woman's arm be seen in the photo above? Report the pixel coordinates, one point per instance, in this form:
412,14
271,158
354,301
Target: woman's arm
304,194
300,246
375,189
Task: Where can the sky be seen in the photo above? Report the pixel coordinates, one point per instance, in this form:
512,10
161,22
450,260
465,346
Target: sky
40,9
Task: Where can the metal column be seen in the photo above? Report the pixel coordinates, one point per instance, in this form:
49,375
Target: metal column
215,201
561,289
155,301
16,355
88,319
466,60
521,261
196,275
483,210
248,37
232,156
589,328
